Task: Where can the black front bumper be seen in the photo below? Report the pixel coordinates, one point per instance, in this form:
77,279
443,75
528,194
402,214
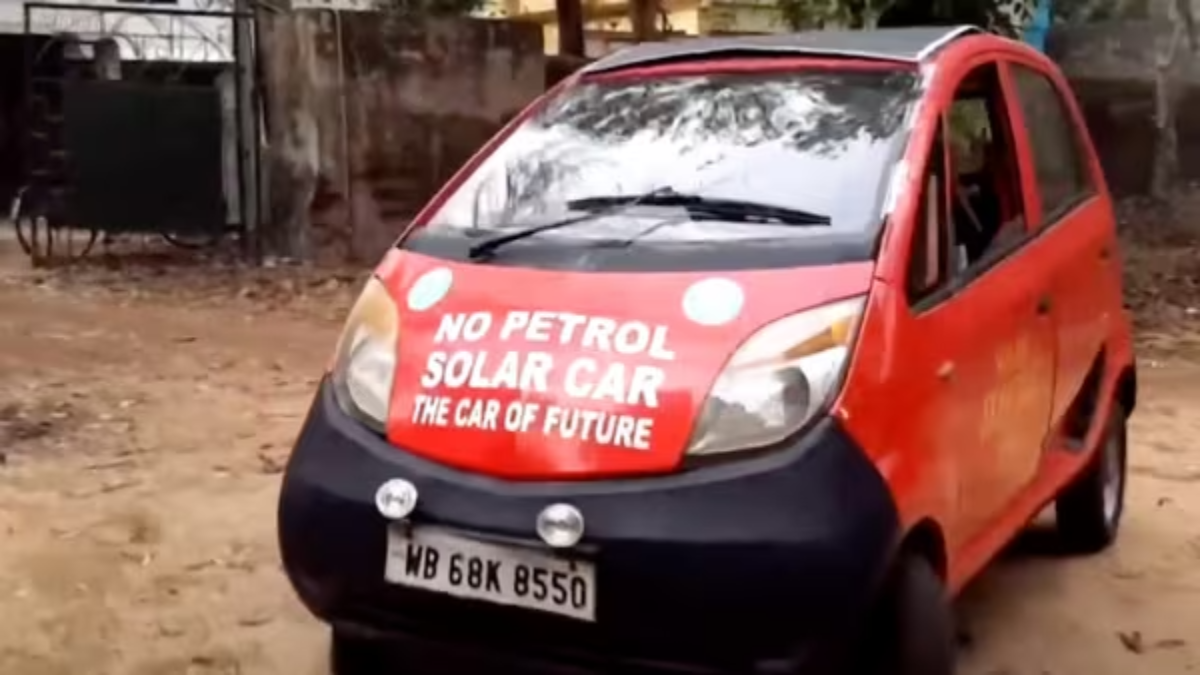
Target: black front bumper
751,561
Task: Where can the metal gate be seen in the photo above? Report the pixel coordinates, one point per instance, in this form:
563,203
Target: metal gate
138,119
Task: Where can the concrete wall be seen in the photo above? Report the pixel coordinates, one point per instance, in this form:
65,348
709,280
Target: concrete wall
368,116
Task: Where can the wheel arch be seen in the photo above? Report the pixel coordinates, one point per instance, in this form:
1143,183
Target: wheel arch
1127,389
927,540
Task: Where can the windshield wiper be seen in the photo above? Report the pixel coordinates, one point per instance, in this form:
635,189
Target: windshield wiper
725,209
595,209
696,205
489,245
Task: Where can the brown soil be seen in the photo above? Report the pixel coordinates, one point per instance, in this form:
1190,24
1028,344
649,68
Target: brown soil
145,413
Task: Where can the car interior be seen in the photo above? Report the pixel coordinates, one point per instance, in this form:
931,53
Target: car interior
987,213
972,208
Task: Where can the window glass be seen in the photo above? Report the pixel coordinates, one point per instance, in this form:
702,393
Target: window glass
970,134
986,203
1058,151
822,140
928,267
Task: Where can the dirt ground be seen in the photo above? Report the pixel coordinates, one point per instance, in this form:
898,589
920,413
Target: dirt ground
145,416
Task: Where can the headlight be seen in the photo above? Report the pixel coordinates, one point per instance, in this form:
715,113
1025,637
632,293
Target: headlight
778,379
365,363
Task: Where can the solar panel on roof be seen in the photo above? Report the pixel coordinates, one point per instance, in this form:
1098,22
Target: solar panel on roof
909,45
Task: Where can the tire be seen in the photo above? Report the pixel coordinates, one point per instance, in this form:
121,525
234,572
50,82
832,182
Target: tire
912,631
14,215
1089,510
354,655
39,235
193,242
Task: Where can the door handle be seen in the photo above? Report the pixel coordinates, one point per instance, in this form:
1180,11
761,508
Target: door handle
946,370
1043,305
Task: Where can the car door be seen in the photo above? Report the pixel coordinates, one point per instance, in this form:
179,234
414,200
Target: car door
994,329
1076,238
934,340
1011,280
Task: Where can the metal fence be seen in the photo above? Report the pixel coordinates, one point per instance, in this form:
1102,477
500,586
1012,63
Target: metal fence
137,119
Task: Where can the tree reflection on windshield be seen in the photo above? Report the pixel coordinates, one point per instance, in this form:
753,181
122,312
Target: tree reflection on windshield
819,140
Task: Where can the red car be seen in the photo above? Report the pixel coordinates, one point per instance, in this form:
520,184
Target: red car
732,355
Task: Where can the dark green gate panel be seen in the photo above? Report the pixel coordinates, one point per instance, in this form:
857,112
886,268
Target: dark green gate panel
144,157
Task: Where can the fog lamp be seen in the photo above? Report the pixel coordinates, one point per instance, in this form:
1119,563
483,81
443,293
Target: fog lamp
560,525
396,499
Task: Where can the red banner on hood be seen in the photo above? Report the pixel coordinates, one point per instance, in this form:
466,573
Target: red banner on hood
540,374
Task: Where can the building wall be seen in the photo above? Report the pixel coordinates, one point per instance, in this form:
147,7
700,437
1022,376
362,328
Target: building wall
602,35
741,17
608,27
370,116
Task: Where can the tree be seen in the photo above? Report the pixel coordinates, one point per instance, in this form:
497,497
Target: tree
643,17
1165,171
570,28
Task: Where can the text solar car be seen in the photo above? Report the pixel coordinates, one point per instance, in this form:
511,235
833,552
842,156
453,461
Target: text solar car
725,356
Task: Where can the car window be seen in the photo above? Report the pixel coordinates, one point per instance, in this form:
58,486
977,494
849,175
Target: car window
929,259
821,140
971,210
986,203
1058,150
970,133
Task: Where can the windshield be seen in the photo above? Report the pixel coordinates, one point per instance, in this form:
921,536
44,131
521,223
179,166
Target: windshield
819,141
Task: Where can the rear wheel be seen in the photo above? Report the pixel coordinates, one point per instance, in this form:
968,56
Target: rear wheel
1089,510
193,242
912,631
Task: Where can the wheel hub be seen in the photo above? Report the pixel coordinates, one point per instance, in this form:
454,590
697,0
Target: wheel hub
1114,477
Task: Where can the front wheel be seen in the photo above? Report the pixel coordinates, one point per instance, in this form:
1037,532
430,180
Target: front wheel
1089,509
912,630
354,655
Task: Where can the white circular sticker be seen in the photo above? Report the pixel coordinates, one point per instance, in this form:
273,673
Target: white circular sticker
429,289
713,302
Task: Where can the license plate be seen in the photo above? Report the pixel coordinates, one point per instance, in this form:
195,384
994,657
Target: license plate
441,562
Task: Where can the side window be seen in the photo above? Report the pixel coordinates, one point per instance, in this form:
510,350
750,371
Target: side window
1058,149
929,257
986,202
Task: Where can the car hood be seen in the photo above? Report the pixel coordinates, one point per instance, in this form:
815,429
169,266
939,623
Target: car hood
541,375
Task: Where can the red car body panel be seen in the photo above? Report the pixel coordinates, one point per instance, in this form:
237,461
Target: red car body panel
531,328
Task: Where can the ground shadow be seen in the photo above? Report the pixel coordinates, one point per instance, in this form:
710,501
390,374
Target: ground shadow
1038,544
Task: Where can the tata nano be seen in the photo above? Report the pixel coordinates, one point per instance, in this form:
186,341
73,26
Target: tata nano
724,356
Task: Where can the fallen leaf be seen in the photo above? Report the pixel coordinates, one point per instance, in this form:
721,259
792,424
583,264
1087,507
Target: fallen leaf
269,464
1132,641
253,619
1170,643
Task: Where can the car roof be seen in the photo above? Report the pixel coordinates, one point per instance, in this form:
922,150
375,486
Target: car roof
900,45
